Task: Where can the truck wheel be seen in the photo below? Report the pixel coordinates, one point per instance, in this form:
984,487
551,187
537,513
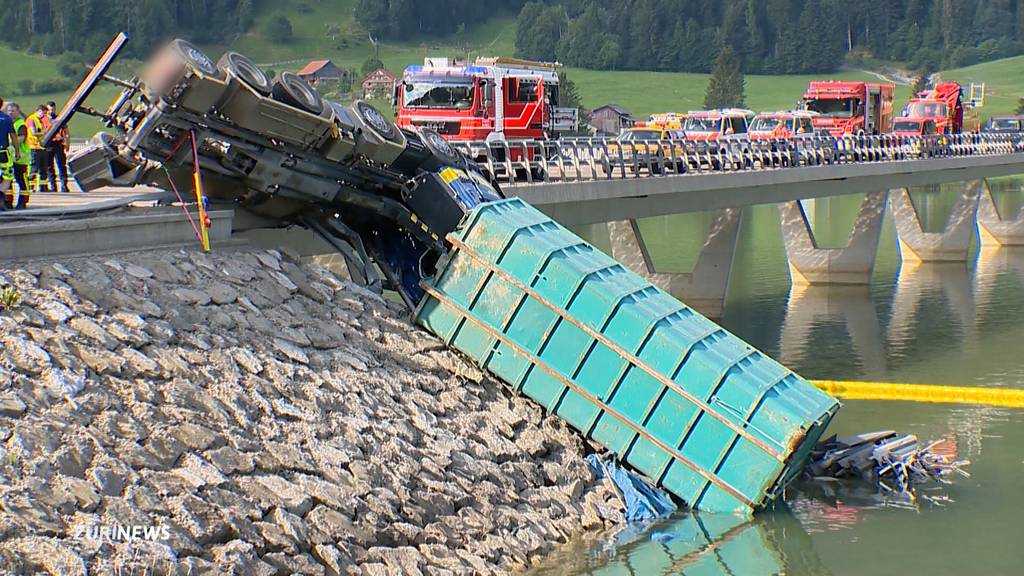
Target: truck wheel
195,57
245,70
292,90
440,147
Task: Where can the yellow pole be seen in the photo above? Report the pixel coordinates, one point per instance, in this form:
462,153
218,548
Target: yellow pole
202,211
199,194
1006,397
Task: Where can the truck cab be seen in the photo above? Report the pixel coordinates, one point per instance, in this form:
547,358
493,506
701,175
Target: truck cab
936,112
717,124
850,107
945,105
769,125
482,100
913,127
1003,124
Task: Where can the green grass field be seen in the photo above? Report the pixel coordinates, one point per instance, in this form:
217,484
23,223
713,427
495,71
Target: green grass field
1004,83
311,40
642,93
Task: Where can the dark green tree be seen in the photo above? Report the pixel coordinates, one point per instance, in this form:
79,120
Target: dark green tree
279,29
725,87
587,45
921,83
568,93
538,30
1020,106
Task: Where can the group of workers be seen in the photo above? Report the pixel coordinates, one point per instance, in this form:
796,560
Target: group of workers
24,161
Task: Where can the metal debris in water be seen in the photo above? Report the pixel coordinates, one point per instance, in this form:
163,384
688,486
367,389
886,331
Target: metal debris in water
895,462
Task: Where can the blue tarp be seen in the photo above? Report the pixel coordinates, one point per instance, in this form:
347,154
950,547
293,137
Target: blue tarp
643,501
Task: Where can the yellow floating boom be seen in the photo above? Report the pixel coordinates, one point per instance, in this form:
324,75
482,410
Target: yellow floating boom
1008,397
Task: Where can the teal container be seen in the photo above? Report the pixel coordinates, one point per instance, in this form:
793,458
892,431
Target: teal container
676,397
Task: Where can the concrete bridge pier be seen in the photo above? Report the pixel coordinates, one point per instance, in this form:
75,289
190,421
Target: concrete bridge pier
704,289
852,264
994,230
950,245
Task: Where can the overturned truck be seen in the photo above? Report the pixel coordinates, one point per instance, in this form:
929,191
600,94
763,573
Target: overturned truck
670,393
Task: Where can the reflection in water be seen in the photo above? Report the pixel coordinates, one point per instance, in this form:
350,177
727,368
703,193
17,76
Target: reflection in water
995,265
918,289
827,506
707,544
969,424
811,308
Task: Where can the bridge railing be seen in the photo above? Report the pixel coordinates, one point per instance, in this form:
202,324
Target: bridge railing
524,162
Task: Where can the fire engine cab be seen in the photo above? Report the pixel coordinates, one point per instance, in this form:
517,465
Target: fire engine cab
946,107
488,99
850,107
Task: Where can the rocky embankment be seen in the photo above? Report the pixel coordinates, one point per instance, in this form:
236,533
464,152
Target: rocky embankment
241,412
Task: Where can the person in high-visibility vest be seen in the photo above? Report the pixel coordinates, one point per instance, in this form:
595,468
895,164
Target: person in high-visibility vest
9,151
36,123
24,157
58,151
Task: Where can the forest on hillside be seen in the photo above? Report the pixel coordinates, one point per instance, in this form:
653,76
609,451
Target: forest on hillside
86,26
770,36
416,19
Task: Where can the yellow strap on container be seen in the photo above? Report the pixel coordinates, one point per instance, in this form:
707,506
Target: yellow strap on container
1007,397
205,236
202,212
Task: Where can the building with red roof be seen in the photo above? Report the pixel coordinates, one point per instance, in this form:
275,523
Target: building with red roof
322,70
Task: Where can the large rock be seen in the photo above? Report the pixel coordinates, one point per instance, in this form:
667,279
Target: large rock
270,490
11,405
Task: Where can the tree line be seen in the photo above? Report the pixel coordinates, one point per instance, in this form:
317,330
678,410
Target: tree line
411,19
768,36
86,26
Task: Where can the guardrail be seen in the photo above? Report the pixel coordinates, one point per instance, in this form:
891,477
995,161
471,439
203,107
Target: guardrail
524,162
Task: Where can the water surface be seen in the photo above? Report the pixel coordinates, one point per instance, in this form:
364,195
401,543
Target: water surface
954,324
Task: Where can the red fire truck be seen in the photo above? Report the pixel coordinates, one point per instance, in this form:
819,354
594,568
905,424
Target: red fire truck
945,106
488,99
850,107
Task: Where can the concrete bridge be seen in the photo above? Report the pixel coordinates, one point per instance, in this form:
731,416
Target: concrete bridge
594,182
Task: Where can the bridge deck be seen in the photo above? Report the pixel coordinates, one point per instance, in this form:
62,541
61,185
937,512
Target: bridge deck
595,201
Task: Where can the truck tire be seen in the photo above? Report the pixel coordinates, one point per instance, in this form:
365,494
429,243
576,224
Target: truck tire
440,147
245,70
377,122
292,90
195,57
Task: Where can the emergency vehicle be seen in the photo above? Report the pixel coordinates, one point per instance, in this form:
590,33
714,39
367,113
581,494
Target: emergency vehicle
781,125
666,120
487,99
715,124
944,104
850,107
